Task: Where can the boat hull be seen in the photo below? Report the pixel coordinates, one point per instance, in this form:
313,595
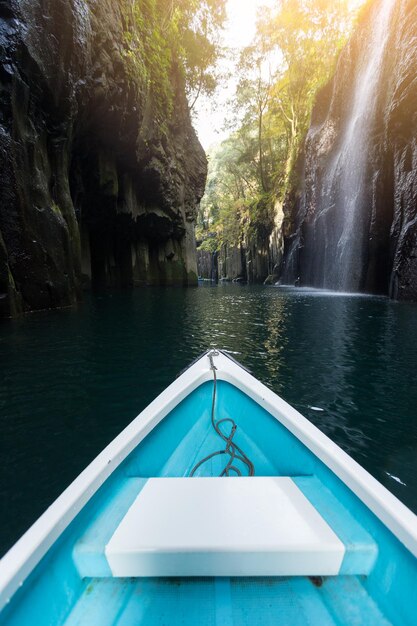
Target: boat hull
45,578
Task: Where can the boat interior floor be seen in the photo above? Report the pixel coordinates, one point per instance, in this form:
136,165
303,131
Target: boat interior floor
223,601
114,588
295,601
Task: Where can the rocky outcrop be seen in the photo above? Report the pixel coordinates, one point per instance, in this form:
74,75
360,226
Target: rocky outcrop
352,223
228,263
232,263
255,259
207,265
252,262
96,190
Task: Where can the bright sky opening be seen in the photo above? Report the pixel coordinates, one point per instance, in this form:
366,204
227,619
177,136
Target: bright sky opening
239,31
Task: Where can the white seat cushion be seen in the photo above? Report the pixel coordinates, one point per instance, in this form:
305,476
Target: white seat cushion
260,526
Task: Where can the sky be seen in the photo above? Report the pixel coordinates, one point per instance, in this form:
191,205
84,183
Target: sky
238,33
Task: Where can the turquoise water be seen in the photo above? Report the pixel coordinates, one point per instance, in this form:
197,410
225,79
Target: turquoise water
71,380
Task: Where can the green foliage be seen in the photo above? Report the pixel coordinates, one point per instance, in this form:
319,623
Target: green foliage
261,216
307,36
235,206
210,243
149,55
292,56
197,41
167,36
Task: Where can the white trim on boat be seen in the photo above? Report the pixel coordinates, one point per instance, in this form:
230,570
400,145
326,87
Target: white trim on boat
23,557
388,508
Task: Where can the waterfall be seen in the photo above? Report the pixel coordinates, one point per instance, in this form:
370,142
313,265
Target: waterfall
336,233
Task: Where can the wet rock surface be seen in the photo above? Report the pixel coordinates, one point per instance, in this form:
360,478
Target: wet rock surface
95,192
250,262
383,233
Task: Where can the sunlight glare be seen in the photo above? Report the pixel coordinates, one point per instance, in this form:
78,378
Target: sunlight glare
238,33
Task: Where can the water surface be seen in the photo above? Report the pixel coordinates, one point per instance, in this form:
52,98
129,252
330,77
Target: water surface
70,380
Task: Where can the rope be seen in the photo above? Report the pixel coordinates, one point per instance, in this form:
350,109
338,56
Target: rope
231,449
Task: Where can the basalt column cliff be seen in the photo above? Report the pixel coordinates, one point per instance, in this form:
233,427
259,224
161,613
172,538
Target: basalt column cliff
96,188
352,223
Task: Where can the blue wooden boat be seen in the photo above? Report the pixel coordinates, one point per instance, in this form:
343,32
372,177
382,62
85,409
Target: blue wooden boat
219,504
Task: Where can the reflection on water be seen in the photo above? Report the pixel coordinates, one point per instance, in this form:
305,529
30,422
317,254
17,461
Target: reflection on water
71,380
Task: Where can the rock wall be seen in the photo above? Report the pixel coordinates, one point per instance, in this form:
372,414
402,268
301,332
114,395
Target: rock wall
95,190
255,261
384,231
229,263
207,265
232,262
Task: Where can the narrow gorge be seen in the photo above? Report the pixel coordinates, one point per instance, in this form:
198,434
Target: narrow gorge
351,222
101,173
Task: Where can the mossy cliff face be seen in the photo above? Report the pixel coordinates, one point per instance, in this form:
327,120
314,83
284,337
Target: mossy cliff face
371,246
96,188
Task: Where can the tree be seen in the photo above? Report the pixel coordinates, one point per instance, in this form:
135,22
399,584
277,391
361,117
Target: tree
167,36
293,54
192,27
308,35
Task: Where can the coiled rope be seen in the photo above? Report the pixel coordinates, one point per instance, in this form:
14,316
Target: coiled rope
231,449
